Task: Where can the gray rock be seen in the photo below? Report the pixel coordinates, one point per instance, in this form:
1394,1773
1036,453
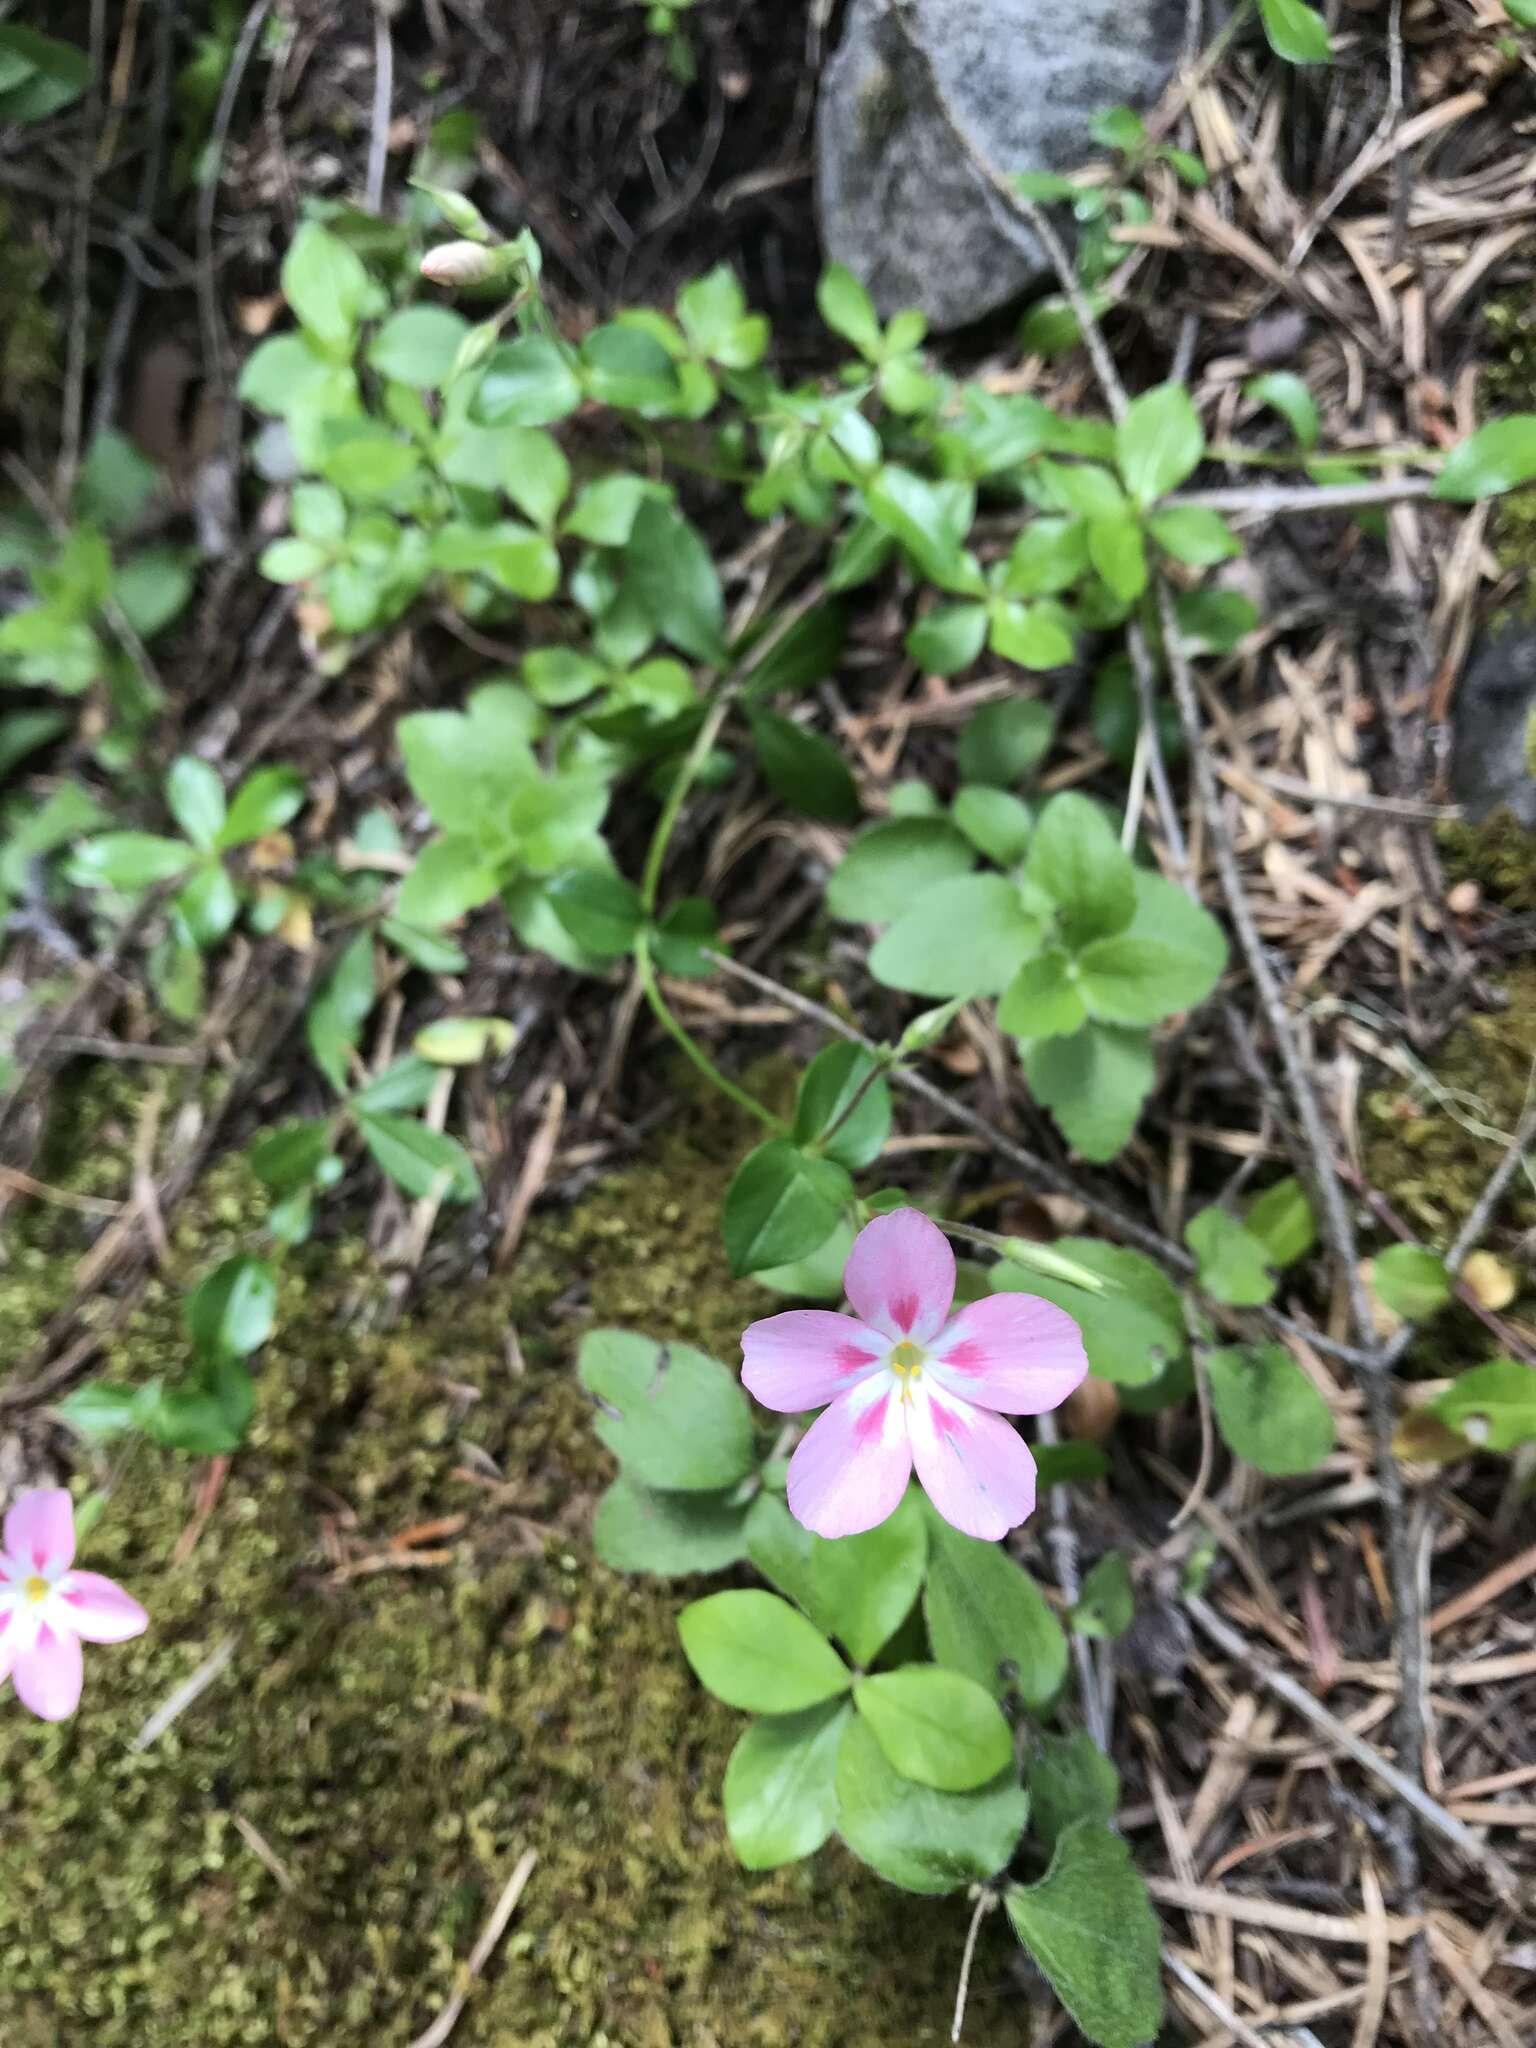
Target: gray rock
1489,718
902,202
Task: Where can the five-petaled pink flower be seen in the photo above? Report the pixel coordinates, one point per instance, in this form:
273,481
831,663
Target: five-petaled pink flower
910,1384
47,1609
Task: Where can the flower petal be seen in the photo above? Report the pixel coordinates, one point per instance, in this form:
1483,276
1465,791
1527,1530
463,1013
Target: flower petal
47,1677
1013,1352
852,1466
900,1275
805,1358
99,1611
975,1468
40,1530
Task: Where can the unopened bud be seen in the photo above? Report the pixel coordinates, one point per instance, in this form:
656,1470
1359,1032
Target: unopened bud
929,1027
459,263
1052,1265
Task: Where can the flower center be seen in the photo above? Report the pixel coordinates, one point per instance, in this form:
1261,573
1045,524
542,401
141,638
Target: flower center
906,1361
36,1588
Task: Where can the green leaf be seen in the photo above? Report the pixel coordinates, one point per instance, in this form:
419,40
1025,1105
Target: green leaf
1049,556
1296,32
1043,1000
1281,1218
129,861
208,904
1120,128
1090,1926
195,797
289,1156
116,482
1214,621
937,1727
38,74
1070,1779
1493,1405
679,940
1267,1409
781,1204
292,561
1105,1605
527,383
964,937
1133,1330
537,476
419,1161
1066,1464
326,285
1003,743
849,311
1158,443
189,1418
919,1839
713,311
629,368
1411,1281
231,1311
1234,1264
890,865
1036,636
264,802
675,581
929,520
779,1794
1094,1084
1077,860
753,1650
1118,552
100,1409
406,1084
837,1077
336,1016
1169,957
24,732
287,372
418,346
1288,395
989,1620
151,587
1497,458
804,768
601,911
949,638
995,821
1193,533
674,1418
604,510
865,1585
450,877
670,1535
802,654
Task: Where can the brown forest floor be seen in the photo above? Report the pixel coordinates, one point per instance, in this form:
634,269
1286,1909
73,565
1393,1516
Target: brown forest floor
309,1868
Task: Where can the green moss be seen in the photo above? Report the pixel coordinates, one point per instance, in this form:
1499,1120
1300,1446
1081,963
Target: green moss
396,1738
1499,854
1430,1149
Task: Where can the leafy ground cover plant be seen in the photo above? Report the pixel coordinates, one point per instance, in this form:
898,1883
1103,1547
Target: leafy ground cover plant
909,1679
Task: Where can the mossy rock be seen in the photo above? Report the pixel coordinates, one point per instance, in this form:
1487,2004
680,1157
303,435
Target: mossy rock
395,1738
1430,1149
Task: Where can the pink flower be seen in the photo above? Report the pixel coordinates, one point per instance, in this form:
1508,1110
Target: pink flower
47,1609
910,1384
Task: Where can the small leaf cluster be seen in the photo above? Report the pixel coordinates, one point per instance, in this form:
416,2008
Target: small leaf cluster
95,597
1084,950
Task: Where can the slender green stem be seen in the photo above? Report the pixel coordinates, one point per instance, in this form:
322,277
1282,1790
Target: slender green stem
645,967
683,781
650,888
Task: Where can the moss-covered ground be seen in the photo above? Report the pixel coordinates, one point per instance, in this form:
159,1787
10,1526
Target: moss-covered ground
398,1737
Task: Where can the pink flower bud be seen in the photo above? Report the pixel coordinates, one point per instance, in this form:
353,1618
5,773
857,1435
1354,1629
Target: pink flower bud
458,263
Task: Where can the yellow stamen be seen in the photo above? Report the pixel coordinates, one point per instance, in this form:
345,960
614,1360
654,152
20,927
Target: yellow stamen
907,1359
36,1588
